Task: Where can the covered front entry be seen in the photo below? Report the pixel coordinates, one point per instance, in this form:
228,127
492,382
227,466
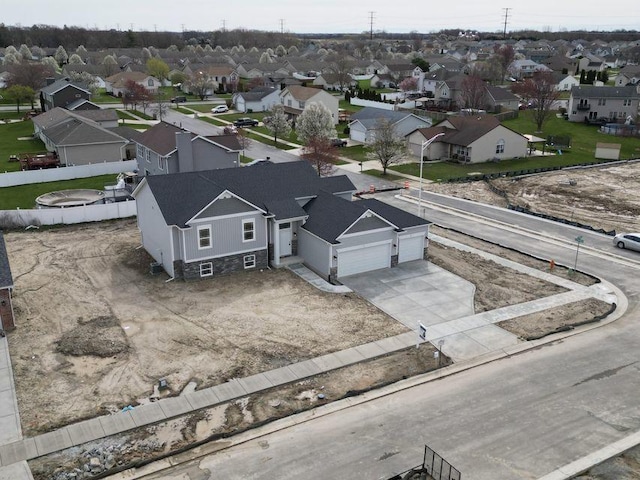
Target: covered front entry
411,248
364,258
284,233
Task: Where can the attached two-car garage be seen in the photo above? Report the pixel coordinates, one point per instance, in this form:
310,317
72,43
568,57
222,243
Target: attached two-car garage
411,248
363,258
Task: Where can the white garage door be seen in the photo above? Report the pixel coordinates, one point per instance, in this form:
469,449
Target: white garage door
411,248
364,259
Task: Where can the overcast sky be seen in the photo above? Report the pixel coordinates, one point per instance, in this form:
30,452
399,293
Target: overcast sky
327,16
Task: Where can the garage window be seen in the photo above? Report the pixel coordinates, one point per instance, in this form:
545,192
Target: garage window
206,269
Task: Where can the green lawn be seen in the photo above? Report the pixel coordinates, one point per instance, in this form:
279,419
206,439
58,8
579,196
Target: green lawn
4,115
10,145
24,196
357,152
344,105
142,115
213,121
583,137
102,97
389,176
124,115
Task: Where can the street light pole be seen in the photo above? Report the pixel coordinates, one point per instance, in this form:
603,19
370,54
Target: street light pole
424,145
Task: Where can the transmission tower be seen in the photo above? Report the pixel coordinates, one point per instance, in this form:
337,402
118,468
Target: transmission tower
371,14
506,18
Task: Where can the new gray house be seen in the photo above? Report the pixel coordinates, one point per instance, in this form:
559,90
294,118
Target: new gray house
588,102
363,124
166,148
6,285
259,99
203,224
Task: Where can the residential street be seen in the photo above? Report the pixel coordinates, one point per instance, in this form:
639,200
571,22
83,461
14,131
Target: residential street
521,417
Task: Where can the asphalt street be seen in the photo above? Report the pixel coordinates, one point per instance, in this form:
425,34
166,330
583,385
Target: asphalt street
520,417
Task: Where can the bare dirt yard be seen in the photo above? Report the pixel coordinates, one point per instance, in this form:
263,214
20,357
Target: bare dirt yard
606,197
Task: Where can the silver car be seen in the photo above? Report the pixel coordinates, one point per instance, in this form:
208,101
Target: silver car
627,240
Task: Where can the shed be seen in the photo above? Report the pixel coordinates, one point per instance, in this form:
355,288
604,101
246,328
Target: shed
608,151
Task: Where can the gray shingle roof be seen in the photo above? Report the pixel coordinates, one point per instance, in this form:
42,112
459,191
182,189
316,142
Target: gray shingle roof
181,195
6,280
63,83
398,217
161,138
591,91
74,131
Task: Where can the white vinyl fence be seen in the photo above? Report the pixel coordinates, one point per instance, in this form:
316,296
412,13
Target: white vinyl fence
371,103
11,179
68,215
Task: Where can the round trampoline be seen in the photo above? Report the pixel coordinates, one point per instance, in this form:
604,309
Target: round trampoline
70,198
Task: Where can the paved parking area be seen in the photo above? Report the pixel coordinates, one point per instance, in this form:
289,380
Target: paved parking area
414,292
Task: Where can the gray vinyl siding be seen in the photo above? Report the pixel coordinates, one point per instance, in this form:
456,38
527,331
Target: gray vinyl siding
226,237
177,243
314,251
211,157
155,232
365,224
86,154
171,163
225,206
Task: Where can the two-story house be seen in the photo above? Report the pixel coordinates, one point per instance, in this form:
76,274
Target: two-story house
117,84
295,98
166,148
63,93
205,224
589,103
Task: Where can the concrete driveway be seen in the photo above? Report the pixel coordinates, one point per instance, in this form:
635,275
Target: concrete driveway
415,292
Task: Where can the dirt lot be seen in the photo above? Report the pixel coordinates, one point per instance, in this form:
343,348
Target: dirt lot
606,197
96,331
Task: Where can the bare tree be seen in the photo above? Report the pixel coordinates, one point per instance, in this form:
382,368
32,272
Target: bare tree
321,154
32,75
541,91
472,92
243,139
278,123
387,146
201,85
341,66
162,106
504,55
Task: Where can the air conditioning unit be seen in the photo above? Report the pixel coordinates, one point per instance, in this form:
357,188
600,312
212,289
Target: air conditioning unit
156,268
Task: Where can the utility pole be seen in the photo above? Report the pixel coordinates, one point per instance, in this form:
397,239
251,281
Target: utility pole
506,17
224,25
282,26
371,14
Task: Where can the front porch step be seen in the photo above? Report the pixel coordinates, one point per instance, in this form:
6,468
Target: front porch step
286,261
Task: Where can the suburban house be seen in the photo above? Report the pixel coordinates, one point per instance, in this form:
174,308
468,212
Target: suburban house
364,123
628,75
469,139
331,81
565,82
204,224
295,98
259,99
63,93
498,99
521,69
84,137
6,286
116,84
588,102
165,149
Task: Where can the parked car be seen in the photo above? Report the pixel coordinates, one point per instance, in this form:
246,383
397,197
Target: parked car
180,99
627,240
220,109
230,130
338,142
246,122
258,161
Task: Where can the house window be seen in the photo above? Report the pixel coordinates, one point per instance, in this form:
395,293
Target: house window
626,102
161,162
204,237
602,101
500,146
206,269
301,105
289,103
249,261
248,230
150,82
148,155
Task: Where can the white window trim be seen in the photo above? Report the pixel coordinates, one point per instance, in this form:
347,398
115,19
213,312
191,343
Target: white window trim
161,162
206,266
251,221
200,229
500,146
249,261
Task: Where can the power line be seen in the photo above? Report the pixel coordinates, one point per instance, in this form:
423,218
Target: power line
506,18
371,14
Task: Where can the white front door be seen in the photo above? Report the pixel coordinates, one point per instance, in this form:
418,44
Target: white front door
285,239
